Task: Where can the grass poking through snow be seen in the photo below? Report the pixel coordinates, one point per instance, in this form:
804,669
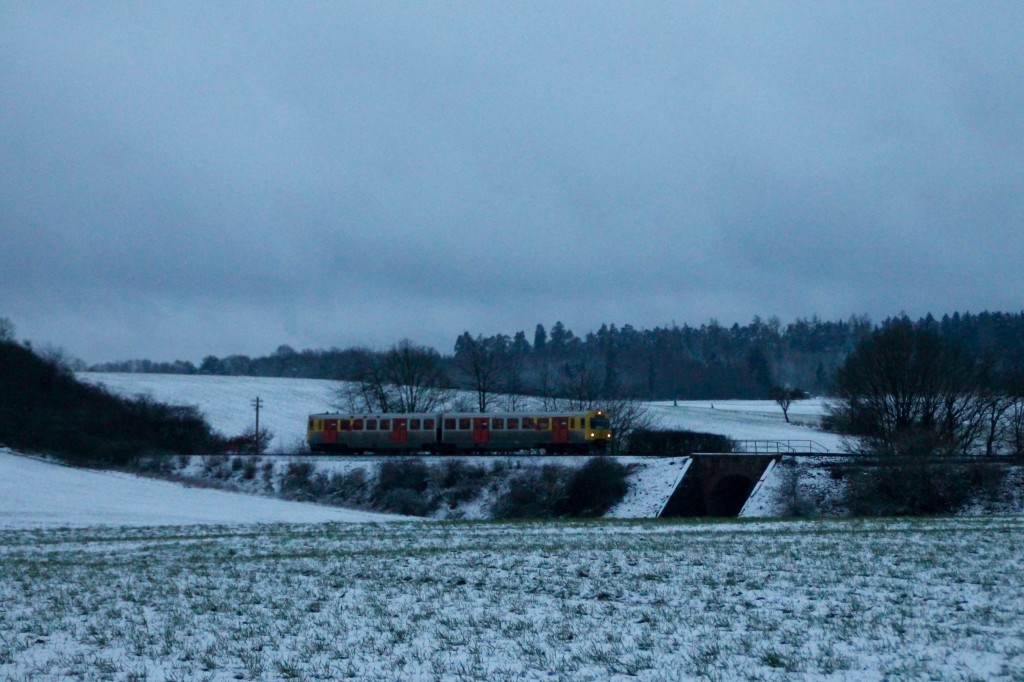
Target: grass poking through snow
845,599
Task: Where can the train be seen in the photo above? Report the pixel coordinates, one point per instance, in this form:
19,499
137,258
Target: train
460,432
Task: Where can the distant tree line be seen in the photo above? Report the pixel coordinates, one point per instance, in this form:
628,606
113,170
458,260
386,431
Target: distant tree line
711,361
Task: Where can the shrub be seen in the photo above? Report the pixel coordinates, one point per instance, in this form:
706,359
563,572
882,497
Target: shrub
536,492
676,442
43,407
404,501
297,482
595,487
459,481
411,474
249,465
401,487
917,478
348,488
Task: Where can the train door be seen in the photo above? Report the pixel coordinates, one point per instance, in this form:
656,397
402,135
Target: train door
330,431
399,431
481,430
560,430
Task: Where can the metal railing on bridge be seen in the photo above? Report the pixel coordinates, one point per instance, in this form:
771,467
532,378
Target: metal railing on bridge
779,447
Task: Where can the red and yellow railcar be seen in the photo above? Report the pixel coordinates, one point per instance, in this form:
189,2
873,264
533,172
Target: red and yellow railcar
460,432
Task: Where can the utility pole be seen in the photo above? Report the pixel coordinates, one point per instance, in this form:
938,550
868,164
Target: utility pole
257,403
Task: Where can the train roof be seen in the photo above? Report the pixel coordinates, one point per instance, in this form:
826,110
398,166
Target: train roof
429,415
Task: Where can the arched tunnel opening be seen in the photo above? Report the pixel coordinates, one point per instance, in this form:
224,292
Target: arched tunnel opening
729,495
716,485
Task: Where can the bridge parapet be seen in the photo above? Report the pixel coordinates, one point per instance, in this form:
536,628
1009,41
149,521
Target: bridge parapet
779,447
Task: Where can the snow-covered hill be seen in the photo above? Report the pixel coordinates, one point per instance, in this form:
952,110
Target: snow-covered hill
36,493
227,401
227,404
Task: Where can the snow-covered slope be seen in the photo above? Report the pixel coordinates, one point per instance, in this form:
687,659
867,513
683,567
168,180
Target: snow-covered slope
227,401
750,420
34,493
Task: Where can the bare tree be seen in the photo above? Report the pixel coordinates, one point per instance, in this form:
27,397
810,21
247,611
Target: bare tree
6,330
580,384
513,387
408,378
627,416
546,386
910,399
904,382
1015,426
485,363
785,397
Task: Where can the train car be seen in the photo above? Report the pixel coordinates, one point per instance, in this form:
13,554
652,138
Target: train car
553,432
460,432
410,432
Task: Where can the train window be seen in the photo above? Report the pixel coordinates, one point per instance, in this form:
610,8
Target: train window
371,424
414,424
464,424
385,424
513,423
543,423
527,422
428,424
344,425
449,424
498,424
357,424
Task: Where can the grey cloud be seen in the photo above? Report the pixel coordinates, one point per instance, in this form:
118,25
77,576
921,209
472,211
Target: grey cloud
185,179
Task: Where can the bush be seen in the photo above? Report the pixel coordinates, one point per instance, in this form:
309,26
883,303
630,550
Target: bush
595,487
43,407
297,483
676,442
249,465
459,481
792,497
402,487
404,501
533,493
348,489
918,479
411,474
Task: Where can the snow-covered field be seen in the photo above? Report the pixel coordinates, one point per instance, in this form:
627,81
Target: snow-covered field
835,600
750,420
111,577
34,494
227,401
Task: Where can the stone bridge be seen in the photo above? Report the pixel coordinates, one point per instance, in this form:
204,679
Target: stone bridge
717,484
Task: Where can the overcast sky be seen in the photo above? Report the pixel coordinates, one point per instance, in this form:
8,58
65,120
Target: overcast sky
179,179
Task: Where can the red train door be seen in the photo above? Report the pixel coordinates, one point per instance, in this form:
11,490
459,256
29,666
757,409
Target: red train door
330,431
560,430
399,431
481,430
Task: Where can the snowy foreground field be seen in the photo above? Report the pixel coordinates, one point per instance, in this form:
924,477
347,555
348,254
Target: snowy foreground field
111,577
840,600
